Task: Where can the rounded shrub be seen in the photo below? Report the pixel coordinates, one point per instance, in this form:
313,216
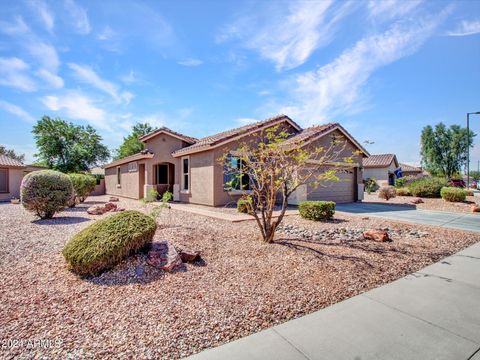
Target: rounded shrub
387,192
427,187
453,194
83,185
317,210
403,192
106,242
46,192
244,204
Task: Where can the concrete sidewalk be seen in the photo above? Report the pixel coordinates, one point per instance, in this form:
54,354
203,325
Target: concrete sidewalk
431,314
460,221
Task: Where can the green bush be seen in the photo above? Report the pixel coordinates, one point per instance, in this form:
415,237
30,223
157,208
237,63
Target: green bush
400,182
244,204
46,192
453,194
83,185
387,192
427,187
317,210
370,185
106,242
403,192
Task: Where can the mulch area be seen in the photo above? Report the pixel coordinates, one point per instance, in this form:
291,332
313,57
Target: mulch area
243,285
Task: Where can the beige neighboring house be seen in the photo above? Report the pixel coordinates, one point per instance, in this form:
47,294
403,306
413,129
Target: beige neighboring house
410,170
381,167
190,168
11,175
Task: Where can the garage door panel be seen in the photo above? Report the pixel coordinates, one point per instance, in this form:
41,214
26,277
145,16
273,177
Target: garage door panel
342,191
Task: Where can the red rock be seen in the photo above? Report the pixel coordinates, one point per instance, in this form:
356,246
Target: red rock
99,209
475,208
113,199
163,256
376,235
189,256
417,201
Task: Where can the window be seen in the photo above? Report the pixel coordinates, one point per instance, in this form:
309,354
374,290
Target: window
119,176
185,173
160,174
234,177
132,167
3,180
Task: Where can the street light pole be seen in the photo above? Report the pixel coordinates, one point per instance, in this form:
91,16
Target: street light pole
468,145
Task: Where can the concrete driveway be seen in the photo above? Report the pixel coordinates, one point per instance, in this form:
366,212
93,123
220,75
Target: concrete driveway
468,222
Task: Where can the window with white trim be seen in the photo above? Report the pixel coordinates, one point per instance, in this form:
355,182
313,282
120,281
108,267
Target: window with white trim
185,173
234,177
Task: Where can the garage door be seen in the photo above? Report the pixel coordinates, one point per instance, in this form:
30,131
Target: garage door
342,191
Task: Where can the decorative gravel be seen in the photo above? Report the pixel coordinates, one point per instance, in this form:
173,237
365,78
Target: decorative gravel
428,204
243,285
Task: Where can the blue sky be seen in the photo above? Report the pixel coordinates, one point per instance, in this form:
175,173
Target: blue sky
383,69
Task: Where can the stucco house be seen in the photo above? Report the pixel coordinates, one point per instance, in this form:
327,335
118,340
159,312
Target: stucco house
410,170
381,167
190,168
11,175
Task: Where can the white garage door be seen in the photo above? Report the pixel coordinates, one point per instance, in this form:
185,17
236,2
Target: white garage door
342,191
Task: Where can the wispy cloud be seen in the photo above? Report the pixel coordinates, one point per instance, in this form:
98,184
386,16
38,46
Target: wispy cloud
106,34
78,106
17,111
52,80
288,38
78,16
466,28
18,27
44,53
14,73
86,74
191,62
336,88
45,14
130,78
389,9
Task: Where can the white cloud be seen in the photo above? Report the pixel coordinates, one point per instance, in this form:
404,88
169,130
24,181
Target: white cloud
13,73
290,37
78,106
264,93
130,78
191,62
88,75
78,16
336,88
17,111
44,54
246,121
389,9
46,16
106,34
52,80
466,28
17,28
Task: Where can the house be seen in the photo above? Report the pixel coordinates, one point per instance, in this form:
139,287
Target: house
11,175
410,170
190,168
381,167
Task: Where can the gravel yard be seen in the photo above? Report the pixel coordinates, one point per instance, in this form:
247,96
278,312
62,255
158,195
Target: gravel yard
428,204
136,311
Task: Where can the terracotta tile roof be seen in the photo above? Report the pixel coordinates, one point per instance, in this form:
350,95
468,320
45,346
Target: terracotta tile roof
209,142
164,129
8,161
382,160
306,134
145,154
410,168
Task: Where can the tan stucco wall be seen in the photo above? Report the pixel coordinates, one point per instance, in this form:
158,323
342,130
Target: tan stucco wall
129,186
380,174
15,177
201,179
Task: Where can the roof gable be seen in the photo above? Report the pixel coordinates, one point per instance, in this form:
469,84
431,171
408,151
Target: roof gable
380,160
167,131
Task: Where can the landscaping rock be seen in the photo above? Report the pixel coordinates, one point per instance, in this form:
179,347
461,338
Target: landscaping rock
189,256
102,209
376,235
113,199
417,201
475,208
163,255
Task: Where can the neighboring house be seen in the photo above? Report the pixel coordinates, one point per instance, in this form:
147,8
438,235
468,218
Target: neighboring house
381,167
190,168
410,170
99,174
11,174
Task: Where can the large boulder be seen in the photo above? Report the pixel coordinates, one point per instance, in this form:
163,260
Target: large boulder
163,255
376,235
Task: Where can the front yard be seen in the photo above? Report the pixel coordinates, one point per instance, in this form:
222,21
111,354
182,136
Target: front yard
243,285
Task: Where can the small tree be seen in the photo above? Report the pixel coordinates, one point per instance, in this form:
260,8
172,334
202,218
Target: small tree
273,167
131,144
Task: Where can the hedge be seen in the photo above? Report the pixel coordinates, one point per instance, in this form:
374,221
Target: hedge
427,187
105,243
453,194
83,185
317,210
